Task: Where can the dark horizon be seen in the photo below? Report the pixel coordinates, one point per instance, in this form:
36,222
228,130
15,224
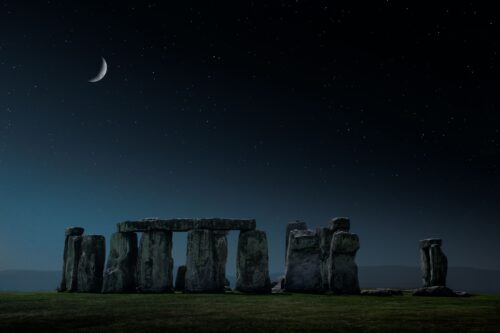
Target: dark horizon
383,112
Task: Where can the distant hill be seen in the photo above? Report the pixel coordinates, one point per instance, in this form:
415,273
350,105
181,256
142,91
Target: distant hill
460,278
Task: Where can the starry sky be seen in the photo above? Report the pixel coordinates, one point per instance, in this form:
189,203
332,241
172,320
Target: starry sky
383,111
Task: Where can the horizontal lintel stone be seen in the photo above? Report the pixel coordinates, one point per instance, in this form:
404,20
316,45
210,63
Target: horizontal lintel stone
185,224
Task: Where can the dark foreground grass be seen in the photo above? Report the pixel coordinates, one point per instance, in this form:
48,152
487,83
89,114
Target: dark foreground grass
36,312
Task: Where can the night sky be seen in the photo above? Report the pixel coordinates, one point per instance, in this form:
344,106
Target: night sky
383,111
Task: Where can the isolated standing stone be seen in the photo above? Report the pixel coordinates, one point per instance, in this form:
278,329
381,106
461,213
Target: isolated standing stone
120,273
180,278
155,264
302,271
206,260
252,262
433,262
68,232
72,253
343,271
296,225
325,240
340,224
91,264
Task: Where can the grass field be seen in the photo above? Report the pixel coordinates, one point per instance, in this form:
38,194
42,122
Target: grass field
37,312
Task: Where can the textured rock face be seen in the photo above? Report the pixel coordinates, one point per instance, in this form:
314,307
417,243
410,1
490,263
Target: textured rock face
343,271
302,271
91,263
120,272
72,253
382,292
435,291
180,279
154,224
340,224
155,263
296,225
325,239
206,261
252,262
433,263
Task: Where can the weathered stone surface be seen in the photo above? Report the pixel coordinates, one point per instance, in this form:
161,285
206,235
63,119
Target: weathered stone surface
206,261
155,263
433,263
252,262
435,291
120,273
74,231
343,271
91,263
325,240
279,285
72,253
344,243
185,224
302,271
382,292
180,278
439,266
296,225
340,224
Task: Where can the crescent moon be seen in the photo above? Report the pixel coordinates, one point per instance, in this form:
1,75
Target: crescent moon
102,72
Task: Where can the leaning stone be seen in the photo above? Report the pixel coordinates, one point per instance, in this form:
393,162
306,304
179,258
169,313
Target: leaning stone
74,231
252,262
155,263
120,273
435,291
325,239
296,225
206,261
72,253
340,224
343,271
302,271
180,279
91,264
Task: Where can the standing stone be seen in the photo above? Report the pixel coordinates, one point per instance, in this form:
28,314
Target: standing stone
433,263
325,240
155,264
340,224
302,271
206,261
72,253
91,264
120,273
70,262
252,262
296,225
180,278
343,271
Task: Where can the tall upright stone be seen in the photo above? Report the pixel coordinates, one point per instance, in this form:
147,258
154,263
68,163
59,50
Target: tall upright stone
91,263
206,260
155,264
71,257
343,271
120,272
302,271
252,262
295,225
180,278
433,262
325,240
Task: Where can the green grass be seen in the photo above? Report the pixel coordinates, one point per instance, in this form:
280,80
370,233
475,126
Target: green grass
27,312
